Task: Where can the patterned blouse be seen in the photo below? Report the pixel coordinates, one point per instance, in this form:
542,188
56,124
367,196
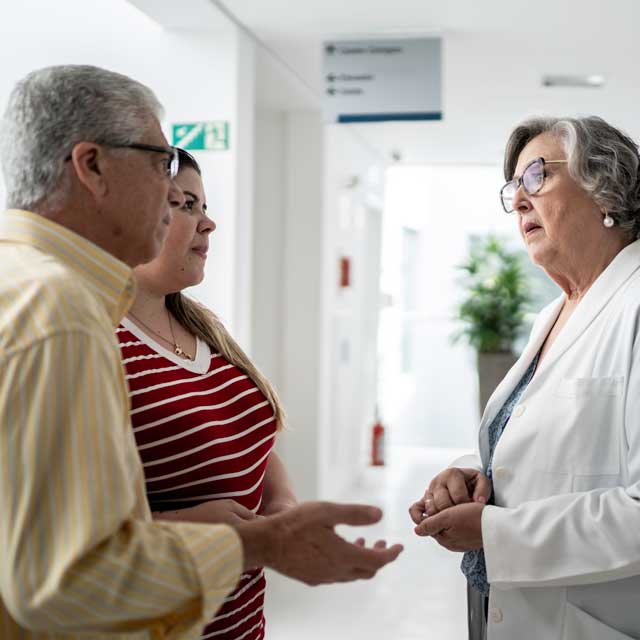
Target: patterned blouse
473,563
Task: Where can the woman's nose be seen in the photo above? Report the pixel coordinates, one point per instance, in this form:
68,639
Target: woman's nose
207,225
521,202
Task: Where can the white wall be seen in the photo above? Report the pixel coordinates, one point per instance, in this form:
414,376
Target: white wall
286,279
353,192
193,73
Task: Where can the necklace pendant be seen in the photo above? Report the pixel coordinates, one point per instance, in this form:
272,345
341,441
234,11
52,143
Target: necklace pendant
178,351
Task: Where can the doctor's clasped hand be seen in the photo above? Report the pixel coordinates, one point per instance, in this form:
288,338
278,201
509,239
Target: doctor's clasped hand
451,508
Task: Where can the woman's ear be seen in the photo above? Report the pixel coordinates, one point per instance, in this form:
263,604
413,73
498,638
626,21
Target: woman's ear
88,160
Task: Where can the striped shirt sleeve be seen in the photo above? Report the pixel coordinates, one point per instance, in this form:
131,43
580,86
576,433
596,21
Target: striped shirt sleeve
79,551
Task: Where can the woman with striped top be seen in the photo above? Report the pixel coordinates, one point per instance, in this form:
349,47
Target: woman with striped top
204,418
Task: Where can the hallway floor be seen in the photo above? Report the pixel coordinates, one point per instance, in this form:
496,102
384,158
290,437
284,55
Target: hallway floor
419,597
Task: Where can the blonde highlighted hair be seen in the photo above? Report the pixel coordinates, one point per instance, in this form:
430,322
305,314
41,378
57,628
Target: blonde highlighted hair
206,325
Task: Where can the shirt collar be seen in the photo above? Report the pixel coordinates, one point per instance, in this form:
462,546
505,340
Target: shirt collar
109,278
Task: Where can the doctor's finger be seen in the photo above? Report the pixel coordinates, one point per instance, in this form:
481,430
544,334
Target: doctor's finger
483,488
441,499
457,487
416,511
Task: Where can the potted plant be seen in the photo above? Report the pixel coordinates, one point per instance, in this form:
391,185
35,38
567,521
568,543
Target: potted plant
493,310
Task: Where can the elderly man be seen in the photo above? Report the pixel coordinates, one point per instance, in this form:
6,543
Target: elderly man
89,182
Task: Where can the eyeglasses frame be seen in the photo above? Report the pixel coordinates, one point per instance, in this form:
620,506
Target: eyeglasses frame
172,152
519,183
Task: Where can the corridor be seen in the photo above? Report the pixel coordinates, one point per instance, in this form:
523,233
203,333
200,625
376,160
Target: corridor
420,597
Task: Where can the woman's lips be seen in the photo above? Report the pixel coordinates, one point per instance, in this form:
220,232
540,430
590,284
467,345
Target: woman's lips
201,251
530,227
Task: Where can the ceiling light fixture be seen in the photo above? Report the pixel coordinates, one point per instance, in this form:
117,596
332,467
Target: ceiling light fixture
589,81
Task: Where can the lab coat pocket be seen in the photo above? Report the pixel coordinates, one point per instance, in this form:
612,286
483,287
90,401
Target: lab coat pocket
581,427
579,625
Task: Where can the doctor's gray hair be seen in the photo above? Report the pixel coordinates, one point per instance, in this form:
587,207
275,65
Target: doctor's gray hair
53,109
601,159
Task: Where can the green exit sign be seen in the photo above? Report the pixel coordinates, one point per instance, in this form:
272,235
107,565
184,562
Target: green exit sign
202,136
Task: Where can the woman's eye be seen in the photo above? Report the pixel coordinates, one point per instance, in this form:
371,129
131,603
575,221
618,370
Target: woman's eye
188,205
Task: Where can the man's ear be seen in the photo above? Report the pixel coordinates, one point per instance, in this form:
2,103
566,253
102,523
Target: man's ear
89,161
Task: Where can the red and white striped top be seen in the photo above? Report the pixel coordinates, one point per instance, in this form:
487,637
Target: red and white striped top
204,431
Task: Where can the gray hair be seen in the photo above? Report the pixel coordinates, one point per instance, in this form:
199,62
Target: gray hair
53,109
601,159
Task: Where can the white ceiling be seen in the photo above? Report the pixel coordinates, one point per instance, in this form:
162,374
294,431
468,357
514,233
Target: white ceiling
495,53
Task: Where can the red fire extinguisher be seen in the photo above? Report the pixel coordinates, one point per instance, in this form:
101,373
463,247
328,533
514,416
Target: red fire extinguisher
377,443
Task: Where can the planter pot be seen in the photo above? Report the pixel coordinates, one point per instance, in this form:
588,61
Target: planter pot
492,367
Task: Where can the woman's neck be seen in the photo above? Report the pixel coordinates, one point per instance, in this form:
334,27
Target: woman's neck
148,305
576,273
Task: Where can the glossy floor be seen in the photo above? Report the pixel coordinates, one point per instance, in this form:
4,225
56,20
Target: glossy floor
419,597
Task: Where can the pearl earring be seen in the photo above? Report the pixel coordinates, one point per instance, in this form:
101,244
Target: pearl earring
608,221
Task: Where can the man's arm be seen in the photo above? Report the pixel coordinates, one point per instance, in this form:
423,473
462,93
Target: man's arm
79,550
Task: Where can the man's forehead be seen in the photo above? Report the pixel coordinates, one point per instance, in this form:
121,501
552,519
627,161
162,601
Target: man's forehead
153,133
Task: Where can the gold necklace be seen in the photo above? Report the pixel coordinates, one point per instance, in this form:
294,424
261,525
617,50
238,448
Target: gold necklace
177,349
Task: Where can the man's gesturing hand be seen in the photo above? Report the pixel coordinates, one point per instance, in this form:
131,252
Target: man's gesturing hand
451,487
301,543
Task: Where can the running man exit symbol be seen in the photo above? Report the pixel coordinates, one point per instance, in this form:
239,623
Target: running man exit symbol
202,136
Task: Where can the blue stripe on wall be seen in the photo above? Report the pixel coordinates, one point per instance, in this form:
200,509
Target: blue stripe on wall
384,117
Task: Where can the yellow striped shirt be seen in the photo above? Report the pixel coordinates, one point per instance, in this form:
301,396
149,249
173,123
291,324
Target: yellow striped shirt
79,554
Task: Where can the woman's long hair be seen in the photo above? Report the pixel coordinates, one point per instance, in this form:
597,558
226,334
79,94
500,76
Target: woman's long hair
204,324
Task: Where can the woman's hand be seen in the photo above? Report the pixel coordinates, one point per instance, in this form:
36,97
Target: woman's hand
273,507
451,487
213,512
456,529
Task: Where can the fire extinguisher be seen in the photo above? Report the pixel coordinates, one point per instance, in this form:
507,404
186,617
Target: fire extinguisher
377,443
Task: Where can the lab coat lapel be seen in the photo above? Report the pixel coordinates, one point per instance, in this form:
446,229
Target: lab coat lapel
514,375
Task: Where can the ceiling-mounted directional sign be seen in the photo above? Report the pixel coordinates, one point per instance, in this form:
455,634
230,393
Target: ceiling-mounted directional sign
202,136
379,80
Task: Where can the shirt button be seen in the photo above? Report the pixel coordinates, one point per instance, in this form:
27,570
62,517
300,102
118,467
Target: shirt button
495,615
519,410
501,473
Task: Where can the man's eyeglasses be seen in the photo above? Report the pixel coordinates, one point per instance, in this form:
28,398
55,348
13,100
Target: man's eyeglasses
172,163
532,179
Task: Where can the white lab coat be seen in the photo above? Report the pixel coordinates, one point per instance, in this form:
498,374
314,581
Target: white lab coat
562,544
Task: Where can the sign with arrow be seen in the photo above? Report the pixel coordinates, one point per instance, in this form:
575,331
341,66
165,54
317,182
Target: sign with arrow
380,80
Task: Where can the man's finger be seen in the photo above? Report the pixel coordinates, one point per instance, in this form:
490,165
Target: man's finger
373,559
360,542
331,514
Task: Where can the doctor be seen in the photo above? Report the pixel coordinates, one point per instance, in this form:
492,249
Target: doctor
548,514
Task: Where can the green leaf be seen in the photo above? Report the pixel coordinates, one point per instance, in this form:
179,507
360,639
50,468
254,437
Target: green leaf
497,296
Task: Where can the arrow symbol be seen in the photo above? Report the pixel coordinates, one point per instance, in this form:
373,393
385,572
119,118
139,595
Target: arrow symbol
330,49
331,91
331,78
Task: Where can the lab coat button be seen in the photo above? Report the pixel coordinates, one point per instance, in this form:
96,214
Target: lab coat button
495,615
501,473
519,410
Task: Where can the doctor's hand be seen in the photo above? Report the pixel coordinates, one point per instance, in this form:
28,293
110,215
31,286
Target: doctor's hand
451,487
458,528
